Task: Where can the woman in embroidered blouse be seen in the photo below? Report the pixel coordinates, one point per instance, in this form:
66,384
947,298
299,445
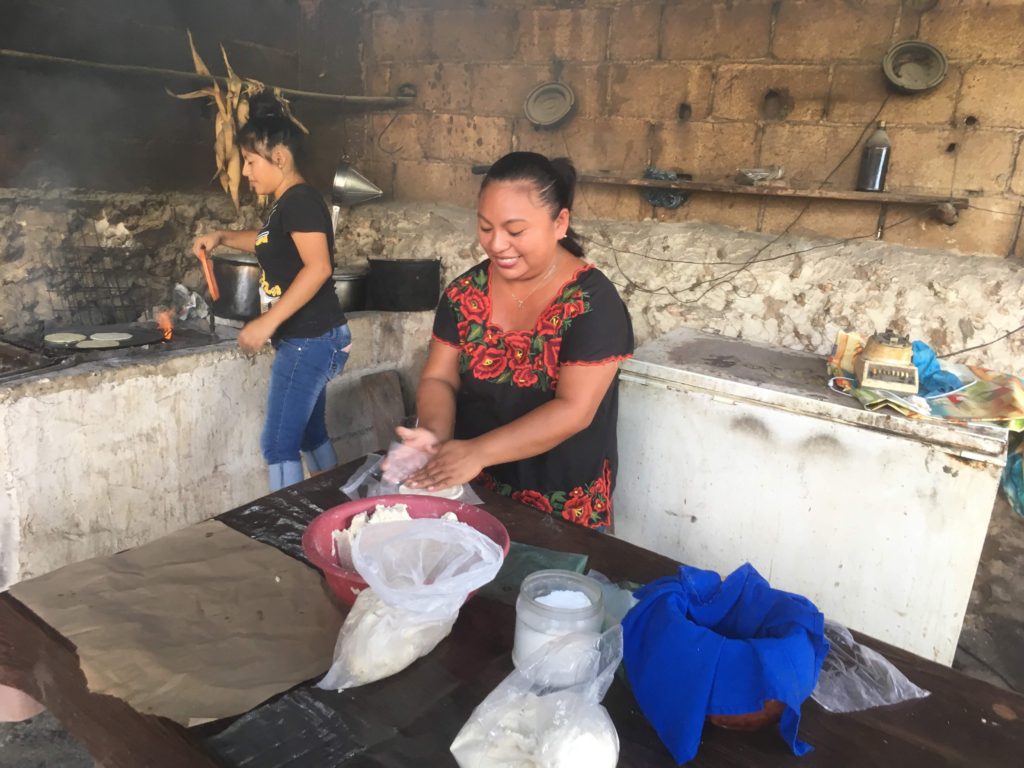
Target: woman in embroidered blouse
520,385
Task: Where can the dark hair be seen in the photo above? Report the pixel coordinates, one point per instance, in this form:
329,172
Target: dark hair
555,182
270,126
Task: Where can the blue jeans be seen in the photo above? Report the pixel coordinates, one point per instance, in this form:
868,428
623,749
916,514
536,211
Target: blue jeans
296,404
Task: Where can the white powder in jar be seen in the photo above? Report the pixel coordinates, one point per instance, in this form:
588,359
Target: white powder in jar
565,598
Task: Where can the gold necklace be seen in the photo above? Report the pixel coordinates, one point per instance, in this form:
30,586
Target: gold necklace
547,276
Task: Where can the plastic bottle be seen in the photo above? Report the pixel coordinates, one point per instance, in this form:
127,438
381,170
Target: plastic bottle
874,162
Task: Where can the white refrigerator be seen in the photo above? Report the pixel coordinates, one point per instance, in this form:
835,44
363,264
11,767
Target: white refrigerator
732,451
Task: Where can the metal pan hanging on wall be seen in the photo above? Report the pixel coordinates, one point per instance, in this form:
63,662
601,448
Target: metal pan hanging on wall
549,104
913,66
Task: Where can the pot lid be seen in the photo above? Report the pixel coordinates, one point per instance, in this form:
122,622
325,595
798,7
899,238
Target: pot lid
549,104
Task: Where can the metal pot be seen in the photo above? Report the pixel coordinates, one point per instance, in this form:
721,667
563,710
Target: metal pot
238,277
350,288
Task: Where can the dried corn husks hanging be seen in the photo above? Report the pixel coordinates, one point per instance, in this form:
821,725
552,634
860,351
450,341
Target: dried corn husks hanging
232,101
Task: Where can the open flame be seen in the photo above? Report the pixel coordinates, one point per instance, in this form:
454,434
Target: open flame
165,320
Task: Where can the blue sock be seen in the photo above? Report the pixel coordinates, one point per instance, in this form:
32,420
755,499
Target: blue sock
284,473
321,458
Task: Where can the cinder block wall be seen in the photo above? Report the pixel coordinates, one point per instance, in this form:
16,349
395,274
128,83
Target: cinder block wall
633,64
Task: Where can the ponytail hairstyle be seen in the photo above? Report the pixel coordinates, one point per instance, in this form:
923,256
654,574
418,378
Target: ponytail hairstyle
269,126
554,181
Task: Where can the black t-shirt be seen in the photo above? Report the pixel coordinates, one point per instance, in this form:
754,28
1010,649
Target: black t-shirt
506,374
299,209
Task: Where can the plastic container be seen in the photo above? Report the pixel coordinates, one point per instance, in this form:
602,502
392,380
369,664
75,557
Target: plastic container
317,542
538,624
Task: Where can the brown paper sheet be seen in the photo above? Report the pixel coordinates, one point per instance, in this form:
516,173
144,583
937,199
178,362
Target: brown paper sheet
202,624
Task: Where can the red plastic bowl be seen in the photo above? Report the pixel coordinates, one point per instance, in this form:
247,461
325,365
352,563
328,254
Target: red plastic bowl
317,541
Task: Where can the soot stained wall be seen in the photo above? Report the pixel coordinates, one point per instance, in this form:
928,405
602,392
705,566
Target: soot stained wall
63,126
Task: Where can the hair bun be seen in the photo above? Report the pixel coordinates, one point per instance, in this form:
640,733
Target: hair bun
265,104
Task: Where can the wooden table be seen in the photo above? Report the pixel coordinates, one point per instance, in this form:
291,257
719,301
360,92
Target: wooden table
411,718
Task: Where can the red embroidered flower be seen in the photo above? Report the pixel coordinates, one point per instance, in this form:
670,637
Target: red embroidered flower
488,362
491,337
603,484
578,507
550,323
474,305
534,499
518,346
573,308
550,359
524,377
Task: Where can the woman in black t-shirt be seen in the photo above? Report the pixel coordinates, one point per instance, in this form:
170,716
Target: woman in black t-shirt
520,386
304,322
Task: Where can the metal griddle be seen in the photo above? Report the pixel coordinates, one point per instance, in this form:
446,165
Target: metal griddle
140,334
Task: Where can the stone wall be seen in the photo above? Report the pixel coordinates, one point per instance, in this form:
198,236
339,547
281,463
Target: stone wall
796,293
43,235
705,87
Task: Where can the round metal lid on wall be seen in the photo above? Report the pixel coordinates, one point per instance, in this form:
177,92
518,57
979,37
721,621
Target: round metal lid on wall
549,104
913,66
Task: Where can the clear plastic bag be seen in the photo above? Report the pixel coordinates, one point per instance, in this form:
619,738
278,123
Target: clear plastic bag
366,481
402,460
369,481
855,677
419,573
617,599
528,723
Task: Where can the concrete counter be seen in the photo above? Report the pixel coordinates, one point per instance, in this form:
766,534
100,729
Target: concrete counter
111,454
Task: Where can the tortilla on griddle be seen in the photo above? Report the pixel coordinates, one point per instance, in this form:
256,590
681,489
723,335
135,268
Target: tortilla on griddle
97,344
110,336
63,338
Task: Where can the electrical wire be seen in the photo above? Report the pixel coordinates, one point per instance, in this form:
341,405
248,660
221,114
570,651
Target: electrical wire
1006,335
993,210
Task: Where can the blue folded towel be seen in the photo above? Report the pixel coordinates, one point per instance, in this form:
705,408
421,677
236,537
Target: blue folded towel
932,380
696,645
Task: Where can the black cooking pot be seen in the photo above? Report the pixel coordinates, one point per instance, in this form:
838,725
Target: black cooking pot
238,278
406,285
350,288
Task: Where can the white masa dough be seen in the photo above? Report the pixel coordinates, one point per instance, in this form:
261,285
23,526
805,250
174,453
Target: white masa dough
382,513
96,344
451,492
559,730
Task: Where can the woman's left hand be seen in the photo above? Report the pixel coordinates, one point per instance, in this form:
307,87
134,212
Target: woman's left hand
456,462
255,335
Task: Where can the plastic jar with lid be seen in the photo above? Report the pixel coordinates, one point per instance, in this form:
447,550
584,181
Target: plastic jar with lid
538,624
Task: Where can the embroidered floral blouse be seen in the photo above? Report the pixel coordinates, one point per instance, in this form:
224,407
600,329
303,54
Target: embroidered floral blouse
505,375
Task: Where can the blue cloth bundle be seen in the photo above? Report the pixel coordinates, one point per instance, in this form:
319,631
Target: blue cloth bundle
696,645
932,379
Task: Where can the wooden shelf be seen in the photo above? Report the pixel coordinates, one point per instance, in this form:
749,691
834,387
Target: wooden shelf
896,198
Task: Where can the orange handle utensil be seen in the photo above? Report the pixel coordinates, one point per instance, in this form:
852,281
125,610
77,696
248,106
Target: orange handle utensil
211,281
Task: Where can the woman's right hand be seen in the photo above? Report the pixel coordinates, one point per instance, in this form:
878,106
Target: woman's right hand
420,438
207,243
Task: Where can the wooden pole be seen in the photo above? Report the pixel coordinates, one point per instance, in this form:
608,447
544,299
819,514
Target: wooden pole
382,102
